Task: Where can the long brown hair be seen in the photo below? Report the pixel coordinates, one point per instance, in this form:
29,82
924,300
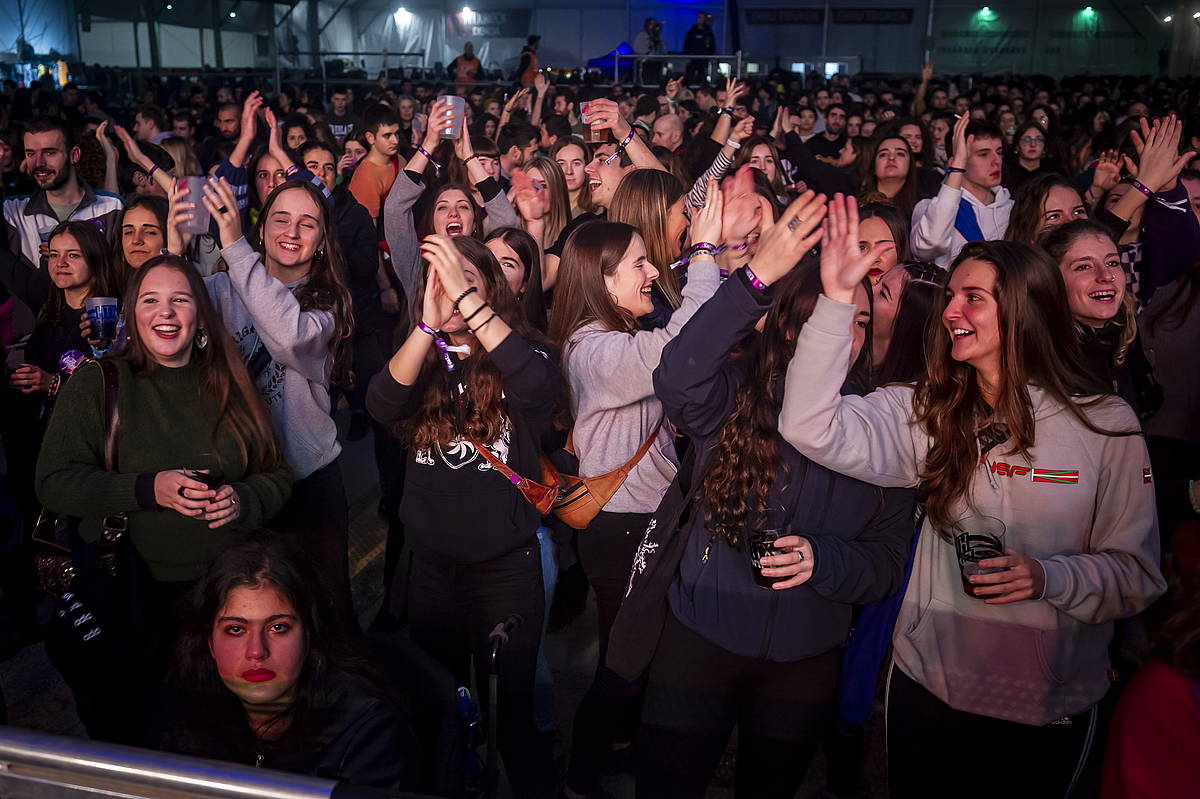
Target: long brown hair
558,205
476,230
747,152
906,199
581,297
1038,346
644,200
1026,218
1059,240
745,460
583,199
223,375
105,281
325,289
438,421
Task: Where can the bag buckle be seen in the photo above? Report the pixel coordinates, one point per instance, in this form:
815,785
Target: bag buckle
113,528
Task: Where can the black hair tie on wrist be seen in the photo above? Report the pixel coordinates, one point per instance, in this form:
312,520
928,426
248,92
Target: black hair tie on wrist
463,296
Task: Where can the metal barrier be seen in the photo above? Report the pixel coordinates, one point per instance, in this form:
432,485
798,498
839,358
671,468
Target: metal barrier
639,59
35,765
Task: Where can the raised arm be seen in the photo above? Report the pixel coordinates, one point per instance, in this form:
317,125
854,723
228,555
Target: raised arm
933,225
111,184
870,438
295,338
720,165
606,115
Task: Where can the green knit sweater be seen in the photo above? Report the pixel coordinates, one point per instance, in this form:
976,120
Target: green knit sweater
166,420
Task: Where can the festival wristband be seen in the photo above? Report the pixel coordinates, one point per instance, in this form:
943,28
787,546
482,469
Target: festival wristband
953,169
704,245
441,345
759,286
437,168
1137,184
737,145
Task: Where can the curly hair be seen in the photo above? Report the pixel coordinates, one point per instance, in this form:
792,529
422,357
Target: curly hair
745,461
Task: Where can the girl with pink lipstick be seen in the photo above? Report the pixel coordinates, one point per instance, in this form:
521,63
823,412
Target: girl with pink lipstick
1006,426
1103,310
186,407
264,676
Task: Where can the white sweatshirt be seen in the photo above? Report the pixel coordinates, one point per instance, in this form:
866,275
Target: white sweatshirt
1082,504
934,237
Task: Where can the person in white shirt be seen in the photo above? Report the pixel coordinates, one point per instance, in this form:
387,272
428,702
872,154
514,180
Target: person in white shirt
971,205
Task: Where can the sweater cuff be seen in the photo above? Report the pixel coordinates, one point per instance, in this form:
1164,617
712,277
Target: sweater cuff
238,252
832,317
143,491
489,189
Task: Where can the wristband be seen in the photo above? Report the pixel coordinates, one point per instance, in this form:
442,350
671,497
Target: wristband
754,281
291,170
953,169
463,296
441,345
704,245
745,245
737,145
621,147
153,169
728,111
437,168
1137,184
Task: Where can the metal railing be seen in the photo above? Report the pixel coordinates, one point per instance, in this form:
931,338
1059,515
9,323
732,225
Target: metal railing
734,59
36,765
321,54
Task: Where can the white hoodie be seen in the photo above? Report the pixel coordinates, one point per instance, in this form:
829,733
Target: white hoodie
1082,504
934,237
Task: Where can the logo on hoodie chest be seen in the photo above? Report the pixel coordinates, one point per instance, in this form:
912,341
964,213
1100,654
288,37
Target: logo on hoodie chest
1055,476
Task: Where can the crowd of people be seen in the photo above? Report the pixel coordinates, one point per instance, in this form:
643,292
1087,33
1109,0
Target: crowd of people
833,391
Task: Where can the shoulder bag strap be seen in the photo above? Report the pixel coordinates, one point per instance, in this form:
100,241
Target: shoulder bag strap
112,416
643,449
497,464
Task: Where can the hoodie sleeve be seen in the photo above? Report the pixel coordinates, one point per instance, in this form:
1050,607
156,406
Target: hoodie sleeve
870,567
871,438
598,357
1120,575
933,223
500,212
295,338
400,231
695,380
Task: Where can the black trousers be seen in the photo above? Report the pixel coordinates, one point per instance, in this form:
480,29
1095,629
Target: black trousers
609,711
317,518
698,692
452,609
935,750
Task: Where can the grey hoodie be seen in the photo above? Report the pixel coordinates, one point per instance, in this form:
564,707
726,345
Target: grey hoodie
1082,504
287,352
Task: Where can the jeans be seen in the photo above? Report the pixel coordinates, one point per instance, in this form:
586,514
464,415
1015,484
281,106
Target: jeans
543,685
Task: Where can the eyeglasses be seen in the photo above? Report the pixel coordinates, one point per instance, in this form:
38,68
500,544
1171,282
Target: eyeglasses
1033,140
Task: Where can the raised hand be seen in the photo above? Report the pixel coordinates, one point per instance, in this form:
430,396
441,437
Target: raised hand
1159,162
178,212
436,307
516,100
927,72
540,83
785,243
220,202
843,265
1107,172
439,117
445,259
672,88
743,130
707,221
742,211
606,115
250,115
132,148
734,91
962,142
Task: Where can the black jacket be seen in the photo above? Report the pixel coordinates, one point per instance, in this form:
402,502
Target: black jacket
355,735
1133,380
860,533
360,247
700,41
456,508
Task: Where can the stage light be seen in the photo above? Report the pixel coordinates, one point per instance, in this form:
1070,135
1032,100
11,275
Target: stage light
1196,15
402,16
233,15
1089,12
986,14
170,7
1168,18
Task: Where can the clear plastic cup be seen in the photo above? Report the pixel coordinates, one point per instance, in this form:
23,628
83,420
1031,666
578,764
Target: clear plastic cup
195,194
590,136
102,313
977,538
453,129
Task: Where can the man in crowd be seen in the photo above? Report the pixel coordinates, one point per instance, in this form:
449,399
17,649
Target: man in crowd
971,204
377,170
699,41
829,142
150,124
465,68
517,142
341,121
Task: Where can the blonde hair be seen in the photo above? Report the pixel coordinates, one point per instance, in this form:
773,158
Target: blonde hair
186,163
644,200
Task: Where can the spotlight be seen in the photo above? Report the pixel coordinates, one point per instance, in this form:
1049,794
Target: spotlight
170,7
1196,15
1168,18
1089,12
233,15
402,16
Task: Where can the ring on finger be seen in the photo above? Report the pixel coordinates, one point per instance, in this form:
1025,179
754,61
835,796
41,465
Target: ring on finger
180,492
223,210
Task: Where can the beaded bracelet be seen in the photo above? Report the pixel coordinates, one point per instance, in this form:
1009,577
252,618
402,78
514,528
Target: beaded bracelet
1137,184
463,296
753,278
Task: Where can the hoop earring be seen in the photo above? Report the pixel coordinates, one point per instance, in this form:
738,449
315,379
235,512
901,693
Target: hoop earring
201,339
